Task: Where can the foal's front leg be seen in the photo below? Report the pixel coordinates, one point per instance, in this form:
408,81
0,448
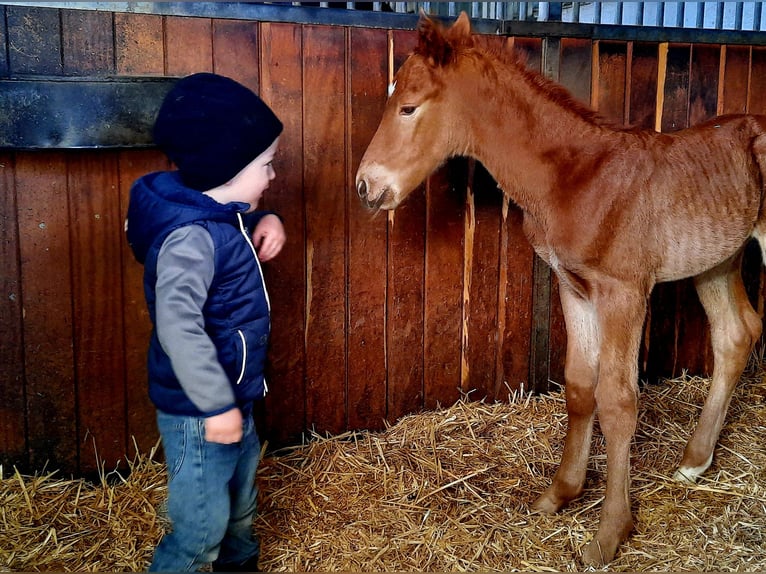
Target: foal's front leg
621,315
580,373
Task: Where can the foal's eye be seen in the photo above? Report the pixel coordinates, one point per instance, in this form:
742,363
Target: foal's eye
407,110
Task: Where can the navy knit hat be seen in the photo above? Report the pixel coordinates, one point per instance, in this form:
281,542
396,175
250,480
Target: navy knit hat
211,127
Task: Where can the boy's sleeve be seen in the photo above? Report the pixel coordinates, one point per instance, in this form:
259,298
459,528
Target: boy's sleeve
185,269
251,219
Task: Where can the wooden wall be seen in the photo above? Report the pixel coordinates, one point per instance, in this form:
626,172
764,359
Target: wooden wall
373,317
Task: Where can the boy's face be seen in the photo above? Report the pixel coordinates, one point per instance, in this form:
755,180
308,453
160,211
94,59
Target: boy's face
249,184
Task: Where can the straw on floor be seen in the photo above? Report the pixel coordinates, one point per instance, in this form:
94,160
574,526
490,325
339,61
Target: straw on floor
447,490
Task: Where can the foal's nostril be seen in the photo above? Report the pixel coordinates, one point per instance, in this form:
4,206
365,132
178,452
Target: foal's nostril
361,189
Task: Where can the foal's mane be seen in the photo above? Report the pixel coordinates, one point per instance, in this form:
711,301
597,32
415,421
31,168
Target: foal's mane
444,46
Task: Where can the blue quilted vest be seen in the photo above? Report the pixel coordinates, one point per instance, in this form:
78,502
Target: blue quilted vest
237,310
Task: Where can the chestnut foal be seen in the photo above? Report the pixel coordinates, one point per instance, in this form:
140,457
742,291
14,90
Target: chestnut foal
612,210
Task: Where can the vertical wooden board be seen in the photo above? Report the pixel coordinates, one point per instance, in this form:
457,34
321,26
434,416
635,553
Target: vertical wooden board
675,114
443,304
235,51
367,238
519,258
483,268
324,182
530,50
13,449
516,281
662,357
703,82
95,230
576,66
405,294
575,69
693,340
643,85
735,80
188,45
138,45
757,99
45,257
612,77
142,430
87,42
282,88
34,40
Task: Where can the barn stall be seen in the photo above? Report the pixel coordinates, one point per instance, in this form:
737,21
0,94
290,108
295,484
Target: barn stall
440,304
375,318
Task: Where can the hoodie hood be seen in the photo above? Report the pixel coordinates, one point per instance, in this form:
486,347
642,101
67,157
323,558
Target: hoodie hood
160,203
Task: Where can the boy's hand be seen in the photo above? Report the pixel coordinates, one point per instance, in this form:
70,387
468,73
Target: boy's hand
225,428
269,237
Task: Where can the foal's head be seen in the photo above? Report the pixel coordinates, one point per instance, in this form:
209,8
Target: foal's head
415,133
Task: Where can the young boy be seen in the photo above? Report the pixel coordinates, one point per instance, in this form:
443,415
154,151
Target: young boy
192,230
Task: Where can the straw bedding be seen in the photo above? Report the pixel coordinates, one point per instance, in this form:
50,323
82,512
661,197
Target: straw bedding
438,491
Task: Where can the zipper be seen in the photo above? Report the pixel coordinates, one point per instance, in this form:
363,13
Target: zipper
249,241
246,235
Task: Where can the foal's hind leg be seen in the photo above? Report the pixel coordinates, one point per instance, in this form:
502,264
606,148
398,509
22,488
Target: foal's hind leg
735,327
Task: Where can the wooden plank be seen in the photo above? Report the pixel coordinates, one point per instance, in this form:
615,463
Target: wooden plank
34,40
367,238
516,280
96,234
282,88
443,306
87,42
703,82
694,350
45,257
13,444
530,51
736,72
141,429
575,67
324,170
675,114
406,277
482,288
139,49
235,51
611,76
756,103
188,45
643,85
515,309
663,330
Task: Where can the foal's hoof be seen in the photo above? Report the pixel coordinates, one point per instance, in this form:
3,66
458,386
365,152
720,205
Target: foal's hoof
547,503
595,556
592,557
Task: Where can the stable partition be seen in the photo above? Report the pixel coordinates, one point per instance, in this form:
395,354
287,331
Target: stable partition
374,315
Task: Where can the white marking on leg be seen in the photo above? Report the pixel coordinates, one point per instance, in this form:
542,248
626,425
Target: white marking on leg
690,474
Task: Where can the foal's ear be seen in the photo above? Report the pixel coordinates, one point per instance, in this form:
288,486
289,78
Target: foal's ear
461,29
439,45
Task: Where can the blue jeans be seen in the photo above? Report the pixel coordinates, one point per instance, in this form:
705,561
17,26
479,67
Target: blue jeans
211,496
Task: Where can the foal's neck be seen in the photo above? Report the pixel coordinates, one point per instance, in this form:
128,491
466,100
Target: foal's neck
525,130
